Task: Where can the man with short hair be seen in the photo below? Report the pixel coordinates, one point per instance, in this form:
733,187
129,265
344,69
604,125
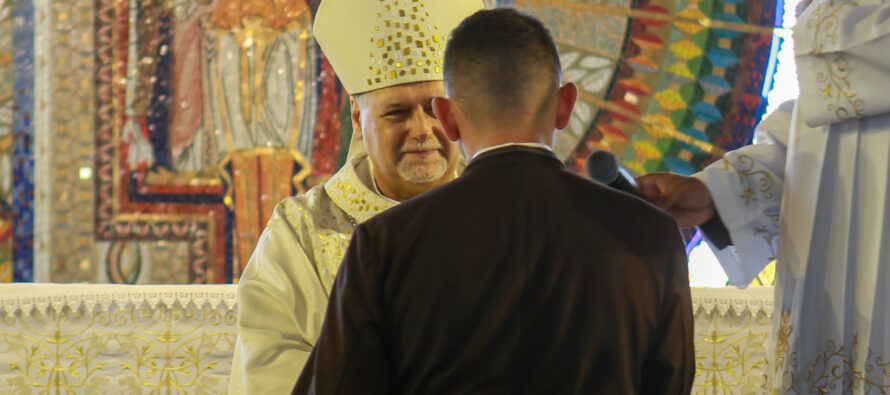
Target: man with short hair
389,57
519,276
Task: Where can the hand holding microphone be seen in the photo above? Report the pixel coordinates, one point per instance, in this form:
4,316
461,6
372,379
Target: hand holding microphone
603,167
686,198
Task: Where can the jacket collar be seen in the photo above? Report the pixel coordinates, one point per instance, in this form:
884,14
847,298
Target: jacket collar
516,155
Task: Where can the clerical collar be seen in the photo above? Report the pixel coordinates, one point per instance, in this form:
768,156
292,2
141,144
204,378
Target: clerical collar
497,147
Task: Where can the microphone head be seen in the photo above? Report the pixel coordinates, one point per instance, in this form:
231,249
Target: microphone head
602,166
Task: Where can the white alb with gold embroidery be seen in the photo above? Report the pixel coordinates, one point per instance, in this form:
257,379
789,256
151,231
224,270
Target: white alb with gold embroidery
283,292
817,197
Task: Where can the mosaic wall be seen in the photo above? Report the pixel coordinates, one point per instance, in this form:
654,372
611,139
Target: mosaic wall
6,141
666,85
147,141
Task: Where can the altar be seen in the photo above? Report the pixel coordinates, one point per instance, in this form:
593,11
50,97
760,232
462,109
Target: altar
107,339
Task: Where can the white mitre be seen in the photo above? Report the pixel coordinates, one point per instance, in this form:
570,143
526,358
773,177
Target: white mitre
375,44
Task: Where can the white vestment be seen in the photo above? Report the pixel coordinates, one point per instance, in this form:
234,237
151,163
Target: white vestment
283,292
812,193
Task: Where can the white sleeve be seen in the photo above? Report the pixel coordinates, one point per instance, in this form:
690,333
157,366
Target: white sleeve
281,307
841,50
746,185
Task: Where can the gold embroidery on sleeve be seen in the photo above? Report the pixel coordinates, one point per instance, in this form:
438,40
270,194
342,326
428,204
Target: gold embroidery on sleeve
836,87
759,184
844,103
761,179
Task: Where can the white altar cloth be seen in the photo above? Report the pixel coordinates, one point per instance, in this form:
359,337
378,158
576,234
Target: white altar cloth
116,339
143,339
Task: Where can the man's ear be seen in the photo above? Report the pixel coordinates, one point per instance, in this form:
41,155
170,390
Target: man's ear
565,103
356,116
444,109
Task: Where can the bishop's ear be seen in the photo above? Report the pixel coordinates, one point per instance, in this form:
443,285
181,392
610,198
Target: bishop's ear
444,109
356,117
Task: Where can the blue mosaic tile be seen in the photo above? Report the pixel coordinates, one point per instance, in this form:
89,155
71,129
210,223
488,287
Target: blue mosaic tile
715,85
706,112
679,166
722,57
23,129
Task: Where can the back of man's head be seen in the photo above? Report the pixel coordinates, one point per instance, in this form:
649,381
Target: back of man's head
499,63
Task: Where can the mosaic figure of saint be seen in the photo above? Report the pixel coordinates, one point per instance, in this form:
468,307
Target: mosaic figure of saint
220,94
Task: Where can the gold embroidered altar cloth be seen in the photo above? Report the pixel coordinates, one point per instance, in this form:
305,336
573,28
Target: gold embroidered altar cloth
150,339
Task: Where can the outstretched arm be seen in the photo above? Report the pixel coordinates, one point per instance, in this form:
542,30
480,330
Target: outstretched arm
743,189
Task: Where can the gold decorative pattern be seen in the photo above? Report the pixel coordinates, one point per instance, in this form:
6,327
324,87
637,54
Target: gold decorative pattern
113,339
837,367
324,217
353,196
844,103
415,48
837,91
757,184
783,334
73,253
762,180
358,203
731,331
730,351
130,340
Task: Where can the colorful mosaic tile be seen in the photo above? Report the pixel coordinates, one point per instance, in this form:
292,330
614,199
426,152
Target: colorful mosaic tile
668,92
6,141
72,188
177,166
23,131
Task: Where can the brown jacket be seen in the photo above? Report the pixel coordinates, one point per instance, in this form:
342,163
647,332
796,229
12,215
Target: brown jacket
518,277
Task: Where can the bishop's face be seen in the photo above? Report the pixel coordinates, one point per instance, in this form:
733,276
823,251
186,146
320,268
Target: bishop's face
404,140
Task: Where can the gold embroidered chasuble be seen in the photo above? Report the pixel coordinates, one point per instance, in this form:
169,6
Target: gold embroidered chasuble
813,194
283,293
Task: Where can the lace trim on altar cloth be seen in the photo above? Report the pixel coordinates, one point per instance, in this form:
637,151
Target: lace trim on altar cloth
37,298
752,300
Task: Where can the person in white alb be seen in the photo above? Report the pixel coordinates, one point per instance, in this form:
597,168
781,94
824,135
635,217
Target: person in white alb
813,193
388,55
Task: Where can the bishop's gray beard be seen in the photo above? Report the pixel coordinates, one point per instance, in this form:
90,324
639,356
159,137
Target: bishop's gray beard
422,171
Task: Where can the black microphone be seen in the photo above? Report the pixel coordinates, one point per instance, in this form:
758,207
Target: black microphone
603,167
